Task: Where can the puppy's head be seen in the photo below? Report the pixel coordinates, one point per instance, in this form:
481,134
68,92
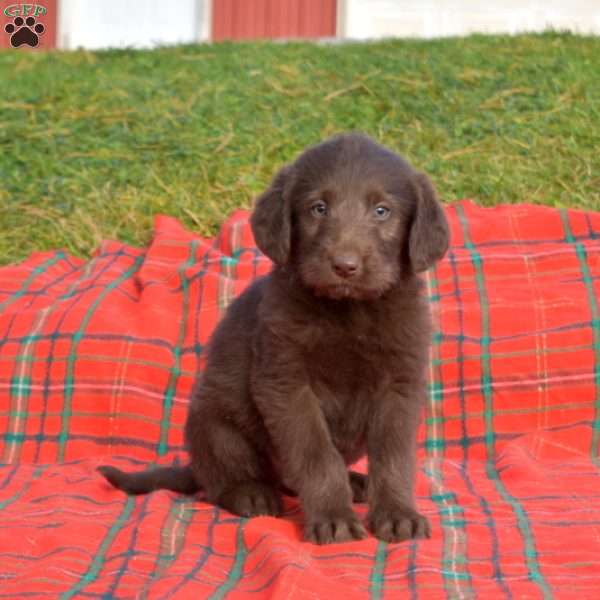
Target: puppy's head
351,217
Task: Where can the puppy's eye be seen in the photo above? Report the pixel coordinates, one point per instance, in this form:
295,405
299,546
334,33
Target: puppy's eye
319,209
382,213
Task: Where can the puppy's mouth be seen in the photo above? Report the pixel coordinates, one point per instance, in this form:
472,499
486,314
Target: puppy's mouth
325,284
346,291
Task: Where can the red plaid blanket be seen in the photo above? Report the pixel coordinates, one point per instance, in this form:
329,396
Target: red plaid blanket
96,363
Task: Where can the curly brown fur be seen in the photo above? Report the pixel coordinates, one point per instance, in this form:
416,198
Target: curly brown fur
324,360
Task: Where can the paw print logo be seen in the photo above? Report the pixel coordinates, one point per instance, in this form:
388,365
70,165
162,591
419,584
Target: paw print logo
24,32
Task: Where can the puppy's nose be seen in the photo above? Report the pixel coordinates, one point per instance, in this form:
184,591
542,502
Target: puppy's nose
345,265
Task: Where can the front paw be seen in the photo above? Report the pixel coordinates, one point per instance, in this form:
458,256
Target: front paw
399,523
334,527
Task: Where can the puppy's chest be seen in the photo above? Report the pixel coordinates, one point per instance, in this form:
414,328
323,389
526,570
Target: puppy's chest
350,359
347,373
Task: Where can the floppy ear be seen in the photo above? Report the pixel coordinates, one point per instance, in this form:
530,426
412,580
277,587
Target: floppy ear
271,218
429,235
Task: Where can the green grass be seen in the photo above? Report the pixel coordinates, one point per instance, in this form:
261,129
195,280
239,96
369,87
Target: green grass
93,144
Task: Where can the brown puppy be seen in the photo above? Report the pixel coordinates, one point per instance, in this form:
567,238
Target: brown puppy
324,359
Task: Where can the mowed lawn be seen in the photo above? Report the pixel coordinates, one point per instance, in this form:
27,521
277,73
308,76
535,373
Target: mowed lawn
94,144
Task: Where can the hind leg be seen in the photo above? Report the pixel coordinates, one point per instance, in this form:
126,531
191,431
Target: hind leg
358,483
251,498
232,471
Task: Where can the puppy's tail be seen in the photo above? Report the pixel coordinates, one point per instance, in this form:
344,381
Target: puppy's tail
176,479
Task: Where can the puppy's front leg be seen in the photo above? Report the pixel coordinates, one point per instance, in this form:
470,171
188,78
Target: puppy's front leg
392,455
310,463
